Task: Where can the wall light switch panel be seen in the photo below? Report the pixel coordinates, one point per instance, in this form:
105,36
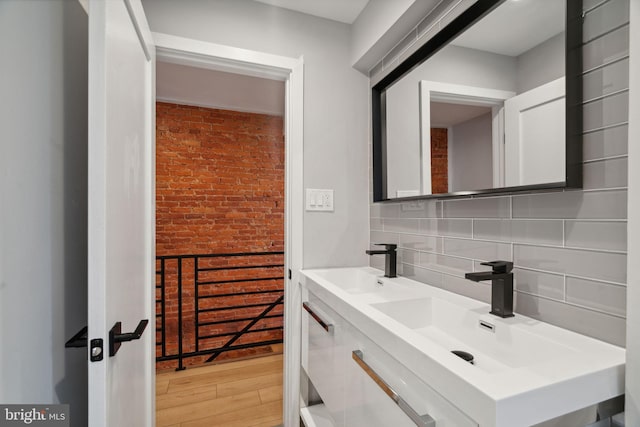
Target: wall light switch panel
319,200
412,206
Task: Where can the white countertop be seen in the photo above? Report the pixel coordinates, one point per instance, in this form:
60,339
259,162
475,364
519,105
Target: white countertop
527,372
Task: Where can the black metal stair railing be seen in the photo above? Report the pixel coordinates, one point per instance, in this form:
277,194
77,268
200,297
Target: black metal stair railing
205,279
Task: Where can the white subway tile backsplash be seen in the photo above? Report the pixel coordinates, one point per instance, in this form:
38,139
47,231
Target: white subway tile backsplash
421,243
388,210
547,232
606,80
476,290
610,15
377,262
605,143
538,283
572,205
605,327
601,296
606,112
610,173
446,227
423,275
402,225
583,263
607,48
489,207
477,249
375,224
596,235
409,256
446,264
382,237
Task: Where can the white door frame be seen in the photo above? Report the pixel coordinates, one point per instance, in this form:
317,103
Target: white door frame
202,54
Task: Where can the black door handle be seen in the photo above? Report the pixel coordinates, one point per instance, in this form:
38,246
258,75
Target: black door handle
116,337
78,340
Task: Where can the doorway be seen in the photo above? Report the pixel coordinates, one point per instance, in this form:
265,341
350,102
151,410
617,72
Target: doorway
288,243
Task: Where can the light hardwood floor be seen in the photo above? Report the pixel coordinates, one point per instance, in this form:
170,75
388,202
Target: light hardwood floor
247,393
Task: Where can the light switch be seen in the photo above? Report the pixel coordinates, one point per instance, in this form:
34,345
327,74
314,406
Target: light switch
319,200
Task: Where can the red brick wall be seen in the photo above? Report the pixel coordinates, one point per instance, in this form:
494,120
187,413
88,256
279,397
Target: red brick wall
439,161
219,189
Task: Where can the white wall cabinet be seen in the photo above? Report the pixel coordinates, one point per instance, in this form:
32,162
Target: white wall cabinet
357,394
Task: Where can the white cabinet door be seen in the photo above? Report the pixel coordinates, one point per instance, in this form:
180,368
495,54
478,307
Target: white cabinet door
121,211
324,356
535,135
368,405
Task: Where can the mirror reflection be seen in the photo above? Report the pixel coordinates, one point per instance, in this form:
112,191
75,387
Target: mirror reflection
486,111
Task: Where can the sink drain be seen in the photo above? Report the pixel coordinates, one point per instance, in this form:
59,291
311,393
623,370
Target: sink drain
467,357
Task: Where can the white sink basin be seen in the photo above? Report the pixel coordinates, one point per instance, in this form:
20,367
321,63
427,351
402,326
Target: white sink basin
358,281
495,347
524,372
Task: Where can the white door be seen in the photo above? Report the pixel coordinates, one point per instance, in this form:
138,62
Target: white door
535,135
121,211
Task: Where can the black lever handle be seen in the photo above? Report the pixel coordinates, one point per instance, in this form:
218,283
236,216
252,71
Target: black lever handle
390,246
499,266
78,340
116,337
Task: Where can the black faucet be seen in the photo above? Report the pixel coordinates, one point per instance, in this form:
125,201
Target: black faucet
390,259
501,286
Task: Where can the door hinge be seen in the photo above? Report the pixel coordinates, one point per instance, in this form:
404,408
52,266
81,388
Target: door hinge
289,274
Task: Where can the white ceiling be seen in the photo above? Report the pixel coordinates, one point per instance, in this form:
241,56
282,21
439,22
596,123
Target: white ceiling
337,10
216,89
515,27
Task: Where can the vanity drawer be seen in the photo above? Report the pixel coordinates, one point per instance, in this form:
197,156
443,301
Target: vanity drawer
372,375
323,359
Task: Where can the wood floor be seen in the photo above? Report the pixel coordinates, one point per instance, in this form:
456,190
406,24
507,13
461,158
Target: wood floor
246,393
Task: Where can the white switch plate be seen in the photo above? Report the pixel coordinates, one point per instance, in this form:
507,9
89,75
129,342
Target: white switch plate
319,200
412,206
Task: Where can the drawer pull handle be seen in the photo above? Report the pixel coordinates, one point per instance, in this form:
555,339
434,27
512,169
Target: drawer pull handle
327,326
419,420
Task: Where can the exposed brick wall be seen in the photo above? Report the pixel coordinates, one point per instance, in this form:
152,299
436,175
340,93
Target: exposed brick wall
219,189
439,161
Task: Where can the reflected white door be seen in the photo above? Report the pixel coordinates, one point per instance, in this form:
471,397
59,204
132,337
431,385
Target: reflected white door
535,135
121,211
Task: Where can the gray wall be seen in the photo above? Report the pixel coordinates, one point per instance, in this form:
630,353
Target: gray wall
570,247
541,64
43,170
471,154
336,114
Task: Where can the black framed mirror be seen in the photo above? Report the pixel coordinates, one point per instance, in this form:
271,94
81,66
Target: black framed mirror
490,104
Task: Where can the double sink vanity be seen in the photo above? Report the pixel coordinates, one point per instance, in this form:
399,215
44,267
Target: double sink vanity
379,352
490,102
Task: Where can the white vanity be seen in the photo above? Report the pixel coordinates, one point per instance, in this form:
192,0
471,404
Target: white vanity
378,353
